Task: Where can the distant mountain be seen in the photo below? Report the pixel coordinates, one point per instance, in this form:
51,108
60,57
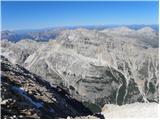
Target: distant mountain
37,35
145,36
51,33
9,35
136,27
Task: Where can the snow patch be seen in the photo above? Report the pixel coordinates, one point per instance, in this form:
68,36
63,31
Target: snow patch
22,92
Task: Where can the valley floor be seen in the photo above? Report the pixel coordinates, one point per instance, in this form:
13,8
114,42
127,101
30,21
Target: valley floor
135,110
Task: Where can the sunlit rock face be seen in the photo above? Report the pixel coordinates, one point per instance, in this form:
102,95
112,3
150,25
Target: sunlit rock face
117,65
19,51
135,110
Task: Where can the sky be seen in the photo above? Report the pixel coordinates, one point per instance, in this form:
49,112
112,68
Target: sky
40,14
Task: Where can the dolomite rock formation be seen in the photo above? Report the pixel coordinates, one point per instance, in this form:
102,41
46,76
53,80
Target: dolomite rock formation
116,66
19,51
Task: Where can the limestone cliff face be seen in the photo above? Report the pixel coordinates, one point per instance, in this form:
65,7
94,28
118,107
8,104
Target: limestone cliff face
111,66
19,51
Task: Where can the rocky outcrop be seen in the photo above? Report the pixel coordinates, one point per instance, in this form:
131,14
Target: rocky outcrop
131,111
26,95
145,36
19,51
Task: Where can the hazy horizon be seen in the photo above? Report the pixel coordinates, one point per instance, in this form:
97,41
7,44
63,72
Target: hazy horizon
83,26
18,15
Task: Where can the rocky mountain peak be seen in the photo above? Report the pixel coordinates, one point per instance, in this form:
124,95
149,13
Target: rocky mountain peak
146,30
118,30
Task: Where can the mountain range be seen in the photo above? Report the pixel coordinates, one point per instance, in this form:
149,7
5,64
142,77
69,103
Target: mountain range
96,67
46,34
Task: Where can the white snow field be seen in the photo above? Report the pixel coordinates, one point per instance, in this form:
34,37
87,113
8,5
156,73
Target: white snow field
135,110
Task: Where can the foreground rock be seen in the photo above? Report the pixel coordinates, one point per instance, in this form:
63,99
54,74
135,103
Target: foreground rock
135,110
26,95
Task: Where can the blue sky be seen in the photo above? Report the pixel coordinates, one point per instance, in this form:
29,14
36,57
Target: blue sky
40,14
